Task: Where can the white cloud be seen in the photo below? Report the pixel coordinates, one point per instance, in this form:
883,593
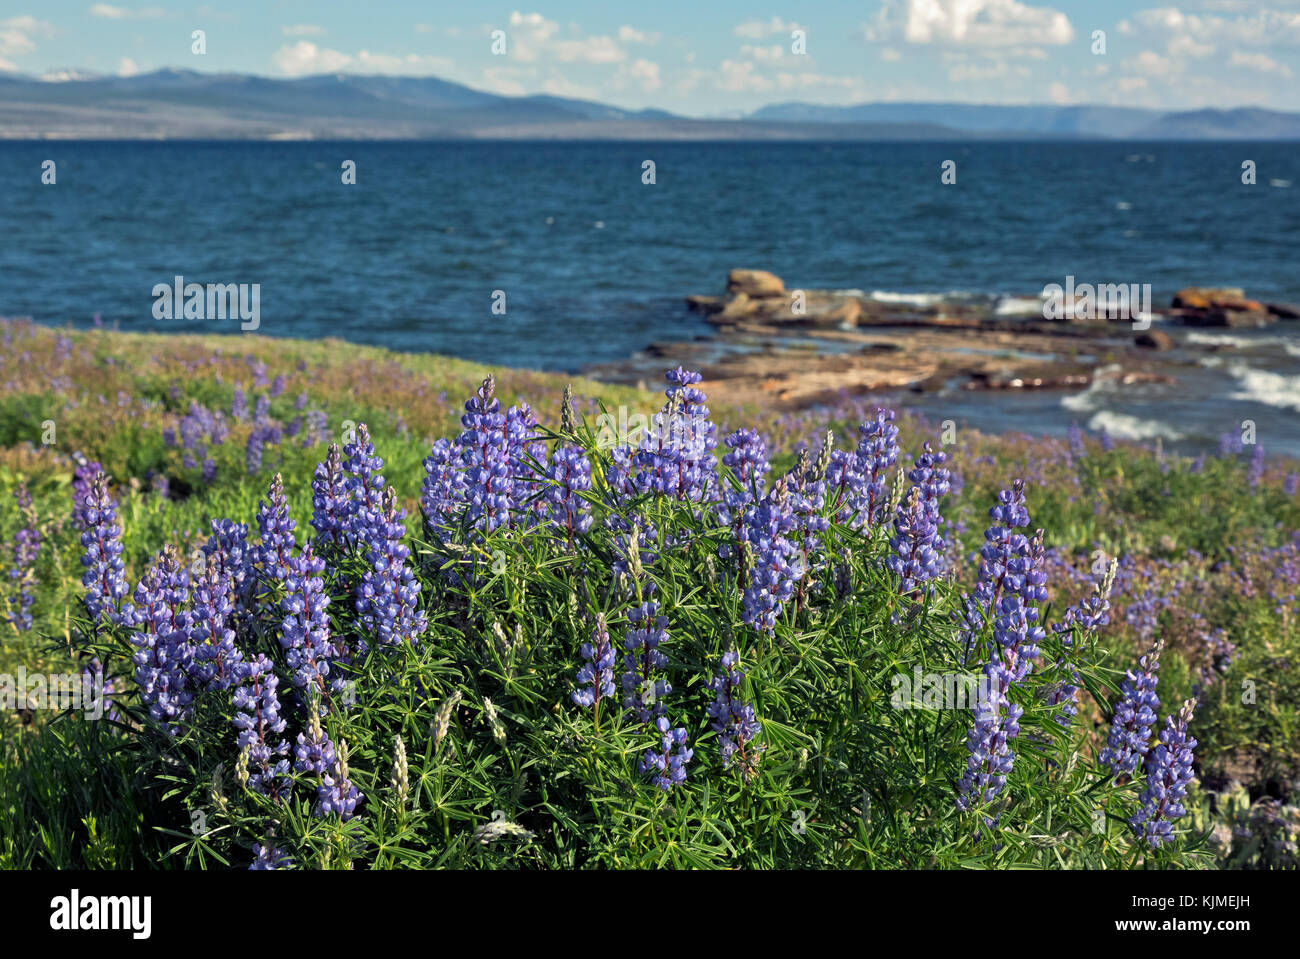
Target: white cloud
774,52
645,73
633,35
1259,61
108,12
741,77
758,29
305,58
126,67
16,37
1059,93
303,30
984,22
1152,64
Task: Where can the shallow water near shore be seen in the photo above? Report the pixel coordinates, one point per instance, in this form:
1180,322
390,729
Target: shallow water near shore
594,264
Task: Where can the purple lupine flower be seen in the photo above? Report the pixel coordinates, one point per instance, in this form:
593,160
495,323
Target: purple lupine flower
83,475
314,752
1077,449
336,792
1129,739
388,595
596,675
643,688
216,657
917,555
305,633
485,453
331,503
1087,616
675,455
1255,472
877,452
569,473
733,719
239,405
364,518
668,767
253,451
1016,638
105,578
527,456
442,494
777,564
1168,775
747,460
1002,545
163,652
269,856
257,717
1291,484
26,549
275,553
1107,444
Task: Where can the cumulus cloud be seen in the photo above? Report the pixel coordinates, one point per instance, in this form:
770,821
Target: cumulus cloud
305,58
1259,61
126,67
972,22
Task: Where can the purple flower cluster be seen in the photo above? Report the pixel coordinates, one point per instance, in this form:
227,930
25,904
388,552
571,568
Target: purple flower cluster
485,456
917,555
858,481
734,720
26,549
596,675
105,577
387,599
443,491
1129,739
305,632
216,657
164,653
275,553
569,473
643,689
777,565
257,717
1168,775
667,764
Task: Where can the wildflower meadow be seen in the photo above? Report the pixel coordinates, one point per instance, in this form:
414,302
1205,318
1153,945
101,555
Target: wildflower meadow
282,606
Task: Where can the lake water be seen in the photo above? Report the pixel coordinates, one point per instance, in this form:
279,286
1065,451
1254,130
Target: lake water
593,263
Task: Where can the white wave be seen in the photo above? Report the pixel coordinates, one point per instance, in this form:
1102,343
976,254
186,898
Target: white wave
1019,306
1280,184
1123,205
1126,427
909,299
1086,401
1221,339
1270,389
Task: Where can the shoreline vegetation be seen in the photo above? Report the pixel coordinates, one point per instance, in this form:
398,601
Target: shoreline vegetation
1164,580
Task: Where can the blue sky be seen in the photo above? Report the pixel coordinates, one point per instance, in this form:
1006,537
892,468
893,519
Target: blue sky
706,57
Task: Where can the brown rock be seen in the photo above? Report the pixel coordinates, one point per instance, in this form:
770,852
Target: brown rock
1155,340
1285,311
844,315
1231,319
738,307
755,283
1202,297
704,304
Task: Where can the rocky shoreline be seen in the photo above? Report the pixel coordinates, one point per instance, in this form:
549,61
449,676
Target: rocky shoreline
792,348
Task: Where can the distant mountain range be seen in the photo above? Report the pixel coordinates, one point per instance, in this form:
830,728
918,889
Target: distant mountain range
183,104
